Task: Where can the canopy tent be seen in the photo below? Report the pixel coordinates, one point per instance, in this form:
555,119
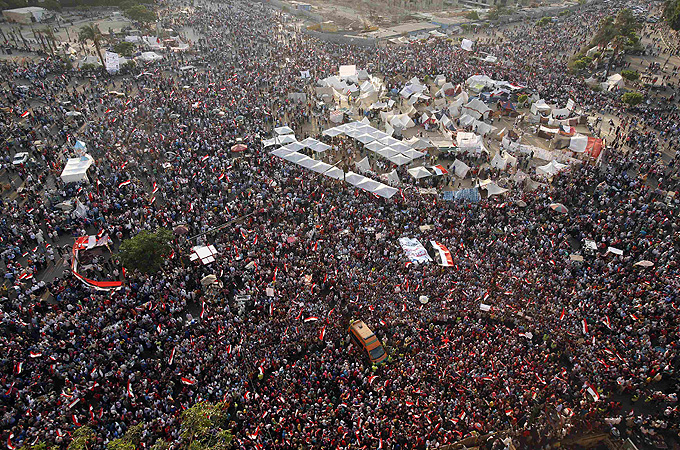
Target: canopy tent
332,132
476,108
283,130
392,177
335,173
295,157
550,169
363,165
385,191
150,56
419,172
399,159
281,152
76,169
418,143
578,143
320,167
460,168
494,189
540,107
502,162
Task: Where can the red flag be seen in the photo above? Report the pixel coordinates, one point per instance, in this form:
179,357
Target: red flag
311,319
25,114
322,334
562,315
172,356
155,188
9,442
124,183
203,310
584,325
188,381
75,420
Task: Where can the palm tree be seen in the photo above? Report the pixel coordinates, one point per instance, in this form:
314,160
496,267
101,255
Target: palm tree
91,33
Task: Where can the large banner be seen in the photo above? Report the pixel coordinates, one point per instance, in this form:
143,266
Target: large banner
112,61
414,250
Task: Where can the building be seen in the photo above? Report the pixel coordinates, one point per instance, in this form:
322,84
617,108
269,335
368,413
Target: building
28,15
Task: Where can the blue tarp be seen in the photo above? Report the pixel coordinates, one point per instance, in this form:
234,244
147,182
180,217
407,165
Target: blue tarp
470,195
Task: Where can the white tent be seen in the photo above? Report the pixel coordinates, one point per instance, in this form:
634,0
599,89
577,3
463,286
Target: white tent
387,152
502,162
578,143
283,130
614,82
413,154
466,44
320,167
419,172
295,157
392,177
363,165
418,143
332,132
76,169
335,173
374,146
385,191
476,108
494,189
399,159
281,152
460,168
550,169
541,107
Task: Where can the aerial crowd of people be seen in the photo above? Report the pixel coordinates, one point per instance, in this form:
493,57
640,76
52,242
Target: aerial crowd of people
567,346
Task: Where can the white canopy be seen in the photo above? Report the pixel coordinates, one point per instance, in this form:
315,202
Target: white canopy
320,167
283,130
460,168
550,169
392,177
335,173
578,143
399,159
419,172
295,157
476,108
494,189
332,132
363,165
76,169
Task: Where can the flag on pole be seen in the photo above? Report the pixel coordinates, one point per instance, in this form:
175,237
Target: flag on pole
124,183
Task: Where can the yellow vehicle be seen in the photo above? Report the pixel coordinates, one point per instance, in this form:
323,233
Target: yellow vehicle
363,337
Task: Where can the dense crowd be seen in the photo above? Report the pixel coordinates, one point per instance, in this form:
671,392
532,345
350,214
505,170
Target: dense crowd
558,329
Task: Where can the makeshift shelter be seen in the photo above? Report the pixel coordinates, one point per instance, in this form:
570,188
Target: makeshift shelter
76,169
550,169
578,143
392,177
460,168
150,57
476,108
501,162
494,189
614,82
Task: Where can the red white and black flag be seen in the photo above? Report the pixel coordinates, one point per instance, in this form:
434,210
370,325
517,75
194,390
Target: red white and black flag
442,254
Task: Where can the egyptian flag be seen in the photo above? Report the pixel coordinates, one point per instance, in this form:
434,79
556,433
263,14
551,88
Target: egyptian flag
584,325
25,114
124,183
172,356
155,188
188,381
203,310
34,354
18,366
75,420
439,169
311,319
592,391
442,254
562,315
129,390
322,333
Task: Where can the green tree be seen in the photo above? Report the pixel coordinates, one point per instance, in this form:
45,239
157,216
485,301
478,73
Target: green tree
91,32
83,437
632,98
671,14
129,441
141,14
630,75
204,426
617,33
126,49
146,251
472,15
543,21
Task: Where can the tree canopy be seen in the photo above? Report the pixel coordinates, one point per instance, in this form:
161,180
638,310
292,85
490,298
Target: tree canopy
672,14
141,14
204,426
146,251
